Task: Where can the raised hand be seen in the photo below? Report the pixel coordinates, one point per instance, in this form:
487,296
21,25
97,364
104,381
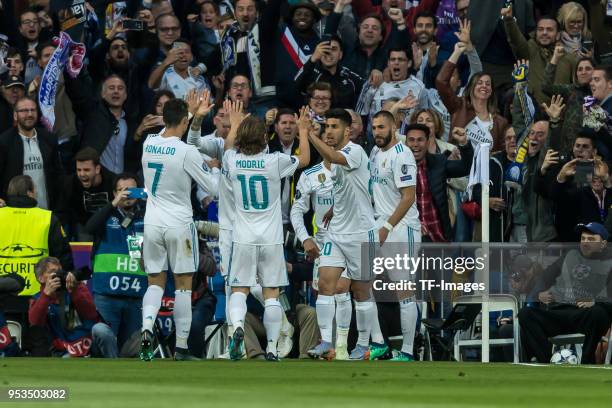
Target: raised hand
555,108
506,12
304,120
432,55
558,54
552,157
204,105
521,71
459,135
464,34
235,112
396,15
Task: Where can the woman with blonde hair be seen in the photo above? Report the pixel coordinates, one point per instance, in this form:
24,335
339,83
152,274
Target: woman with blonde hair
572,18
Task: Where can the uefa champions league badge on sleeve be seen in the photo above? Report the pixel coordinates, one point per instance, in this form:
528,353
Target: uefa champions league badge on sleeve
135,245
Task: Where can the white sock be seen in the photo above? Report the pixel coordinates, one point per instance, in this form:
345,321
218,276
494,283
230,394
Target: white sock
228,293
325,316
237,309
151,303
375,331
182,316
409,315
343,317
257,292
363,314
272,320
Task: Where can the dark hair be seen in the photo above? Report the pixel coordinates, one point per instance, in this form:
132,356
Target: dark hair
407,51
281,112
419,127
28,10
384,114
157,96
175,110
124,176
332,37
607,69
341,114
212,3
12,51
88,154
251,136
549,17
377,17
20,186
319,86
182,40
425,14
586,134
41,46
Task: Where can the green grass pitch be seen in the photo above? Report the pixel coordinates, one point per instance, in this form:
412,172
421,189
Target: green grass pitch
299,383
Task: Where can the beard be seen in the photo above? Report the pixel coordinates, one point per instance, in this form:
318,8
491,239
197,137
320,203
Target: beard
383,141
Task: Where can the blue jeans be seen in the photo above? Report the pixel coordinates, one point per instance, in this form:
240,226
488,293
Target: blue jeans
202,314
122,314
104,341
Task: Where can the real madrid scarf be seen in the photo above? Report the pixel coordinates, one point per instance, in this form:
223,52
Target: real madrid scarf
229,54
68,55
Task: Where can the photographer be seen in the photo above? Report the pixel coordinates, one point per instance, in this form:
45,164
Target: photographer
119,281
65,311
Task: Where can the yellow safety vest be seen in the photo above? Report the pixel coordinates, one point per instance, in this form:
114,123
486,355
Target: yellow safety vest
24,240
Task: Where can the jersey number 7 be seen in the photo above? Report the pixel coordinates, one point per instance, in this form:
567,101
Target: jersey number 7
158,171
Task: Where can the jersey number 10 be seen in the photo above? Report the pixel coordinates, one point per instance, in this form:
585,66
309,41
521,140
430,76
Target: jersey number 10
249,192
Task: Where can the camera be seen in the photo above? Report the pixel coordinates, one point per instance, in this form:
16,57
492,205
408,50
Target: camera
61,274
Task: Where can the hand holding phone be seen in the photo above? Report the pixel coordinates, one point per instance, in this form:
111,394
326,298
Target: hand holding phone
134,25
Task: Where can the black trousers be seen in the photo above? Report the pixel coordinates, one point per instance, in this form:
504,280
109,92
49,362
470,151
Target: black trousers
537,325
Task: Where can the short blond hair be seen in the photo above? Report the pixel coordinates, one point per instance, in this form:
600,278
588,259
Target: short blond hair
569,11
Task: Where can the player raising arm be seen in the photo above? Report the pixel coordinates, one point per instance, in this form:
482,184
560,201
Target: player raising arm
170,238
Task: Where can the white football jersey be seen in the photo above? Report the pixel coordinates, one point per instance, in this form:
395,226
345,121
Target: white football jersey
314,190
256,187
213,146
391,170
400,89
169,165
353,211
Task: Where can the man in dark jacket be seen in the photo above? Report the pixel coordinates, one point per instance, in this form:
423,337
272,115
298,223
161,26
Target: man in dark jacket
106,126
25,149
84,193
324,66
432,172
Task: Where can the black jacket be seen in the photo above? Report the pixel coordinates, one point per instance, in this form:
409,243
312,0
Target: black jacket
440,168
500,222
345,83
78,204
98,122
58,244
11,161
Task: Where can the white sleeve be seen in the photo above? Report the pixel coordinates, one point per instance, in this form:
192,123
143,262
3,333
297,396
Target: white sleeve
208,145
301,205
353,157
404,170
287,165
198,170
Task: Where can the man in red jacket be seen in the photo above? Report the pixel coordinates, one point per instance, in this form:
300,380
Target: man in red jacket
65,309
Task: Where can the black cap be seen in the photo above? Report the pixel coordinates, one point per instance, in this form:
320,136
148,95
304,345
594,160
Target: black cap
304,4
13,80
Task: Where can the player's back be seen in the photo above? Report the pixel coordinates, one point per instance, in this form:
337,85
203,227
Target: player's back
256,186
167,182
353,210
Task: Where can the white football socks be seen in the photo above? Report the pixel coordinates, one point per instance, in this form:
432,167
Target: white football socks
325,316
363,312
151,302
375,331
238,309
409,314
272,320
343,317
182,316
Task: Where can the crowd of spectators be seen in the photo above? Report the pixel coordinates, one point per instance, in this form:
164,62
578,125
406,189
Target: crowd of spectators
533,78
